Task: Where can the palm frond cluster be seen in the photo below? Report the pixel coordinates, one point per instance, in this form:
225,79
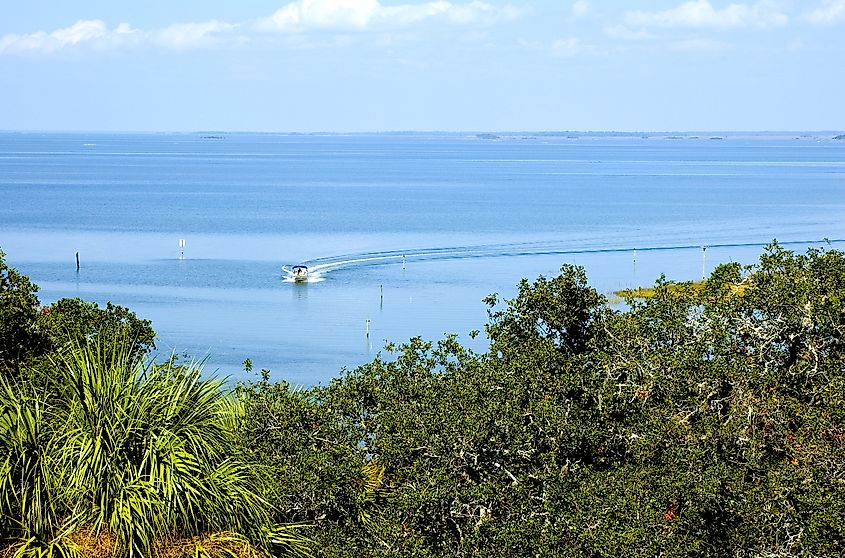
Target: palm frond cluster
120,458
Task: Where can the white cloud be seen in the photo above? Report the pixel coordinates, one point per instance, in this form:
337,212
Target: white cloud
702,14
80,32
295,17
185,35
360,15
581,8
829,13
327,13
95,33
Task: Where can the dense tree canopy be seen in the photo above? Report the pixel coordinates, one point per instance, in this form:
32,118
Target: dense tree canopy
29,331
698,422
19,338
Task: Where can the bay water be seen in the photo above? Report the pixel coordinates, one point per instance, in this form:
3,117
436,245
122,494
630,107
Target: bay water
410,231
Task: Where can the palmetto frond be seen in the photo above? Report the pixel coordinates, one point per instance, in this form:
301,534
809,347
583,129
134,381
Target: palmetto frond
132,455
149,451
30,498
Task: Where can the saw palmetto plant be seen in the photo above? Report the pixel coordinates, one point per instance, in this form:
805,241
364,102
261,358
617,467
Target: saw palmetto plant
142,452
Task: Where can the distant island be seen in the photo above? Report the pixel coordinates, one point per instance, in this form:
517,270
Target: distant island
839,137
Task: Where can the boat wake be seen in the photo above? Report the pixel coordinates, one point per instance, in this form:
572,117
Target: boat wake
318,267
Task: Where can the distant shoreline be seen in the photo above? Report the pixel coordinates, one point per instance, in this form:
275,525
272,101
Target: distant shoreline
481,134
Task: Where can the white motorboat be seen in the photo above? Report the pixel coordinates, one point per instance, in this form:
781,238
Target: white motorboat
299,273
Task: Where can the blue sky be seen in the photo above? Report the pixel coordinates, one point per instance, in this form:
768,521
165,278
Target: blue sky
378,65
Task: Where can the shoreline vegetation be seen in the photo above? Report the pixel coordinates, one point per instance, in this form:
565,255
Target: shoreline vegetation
651,292
700,419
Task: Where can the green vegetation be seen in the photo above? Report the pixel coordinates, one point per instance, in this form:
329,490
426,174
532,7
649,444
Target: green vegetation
702,420
104,454
651,292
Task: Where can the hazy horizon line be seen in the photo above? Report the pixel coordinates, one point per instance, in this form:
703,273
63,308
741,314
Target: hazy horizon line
411,132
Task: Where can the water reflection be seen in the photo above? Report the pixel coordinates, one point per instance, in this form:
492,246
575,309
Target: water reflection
299,290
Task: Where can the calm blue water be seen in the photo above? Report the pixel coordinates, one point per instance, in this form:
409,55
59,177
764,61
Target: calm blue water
472,217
